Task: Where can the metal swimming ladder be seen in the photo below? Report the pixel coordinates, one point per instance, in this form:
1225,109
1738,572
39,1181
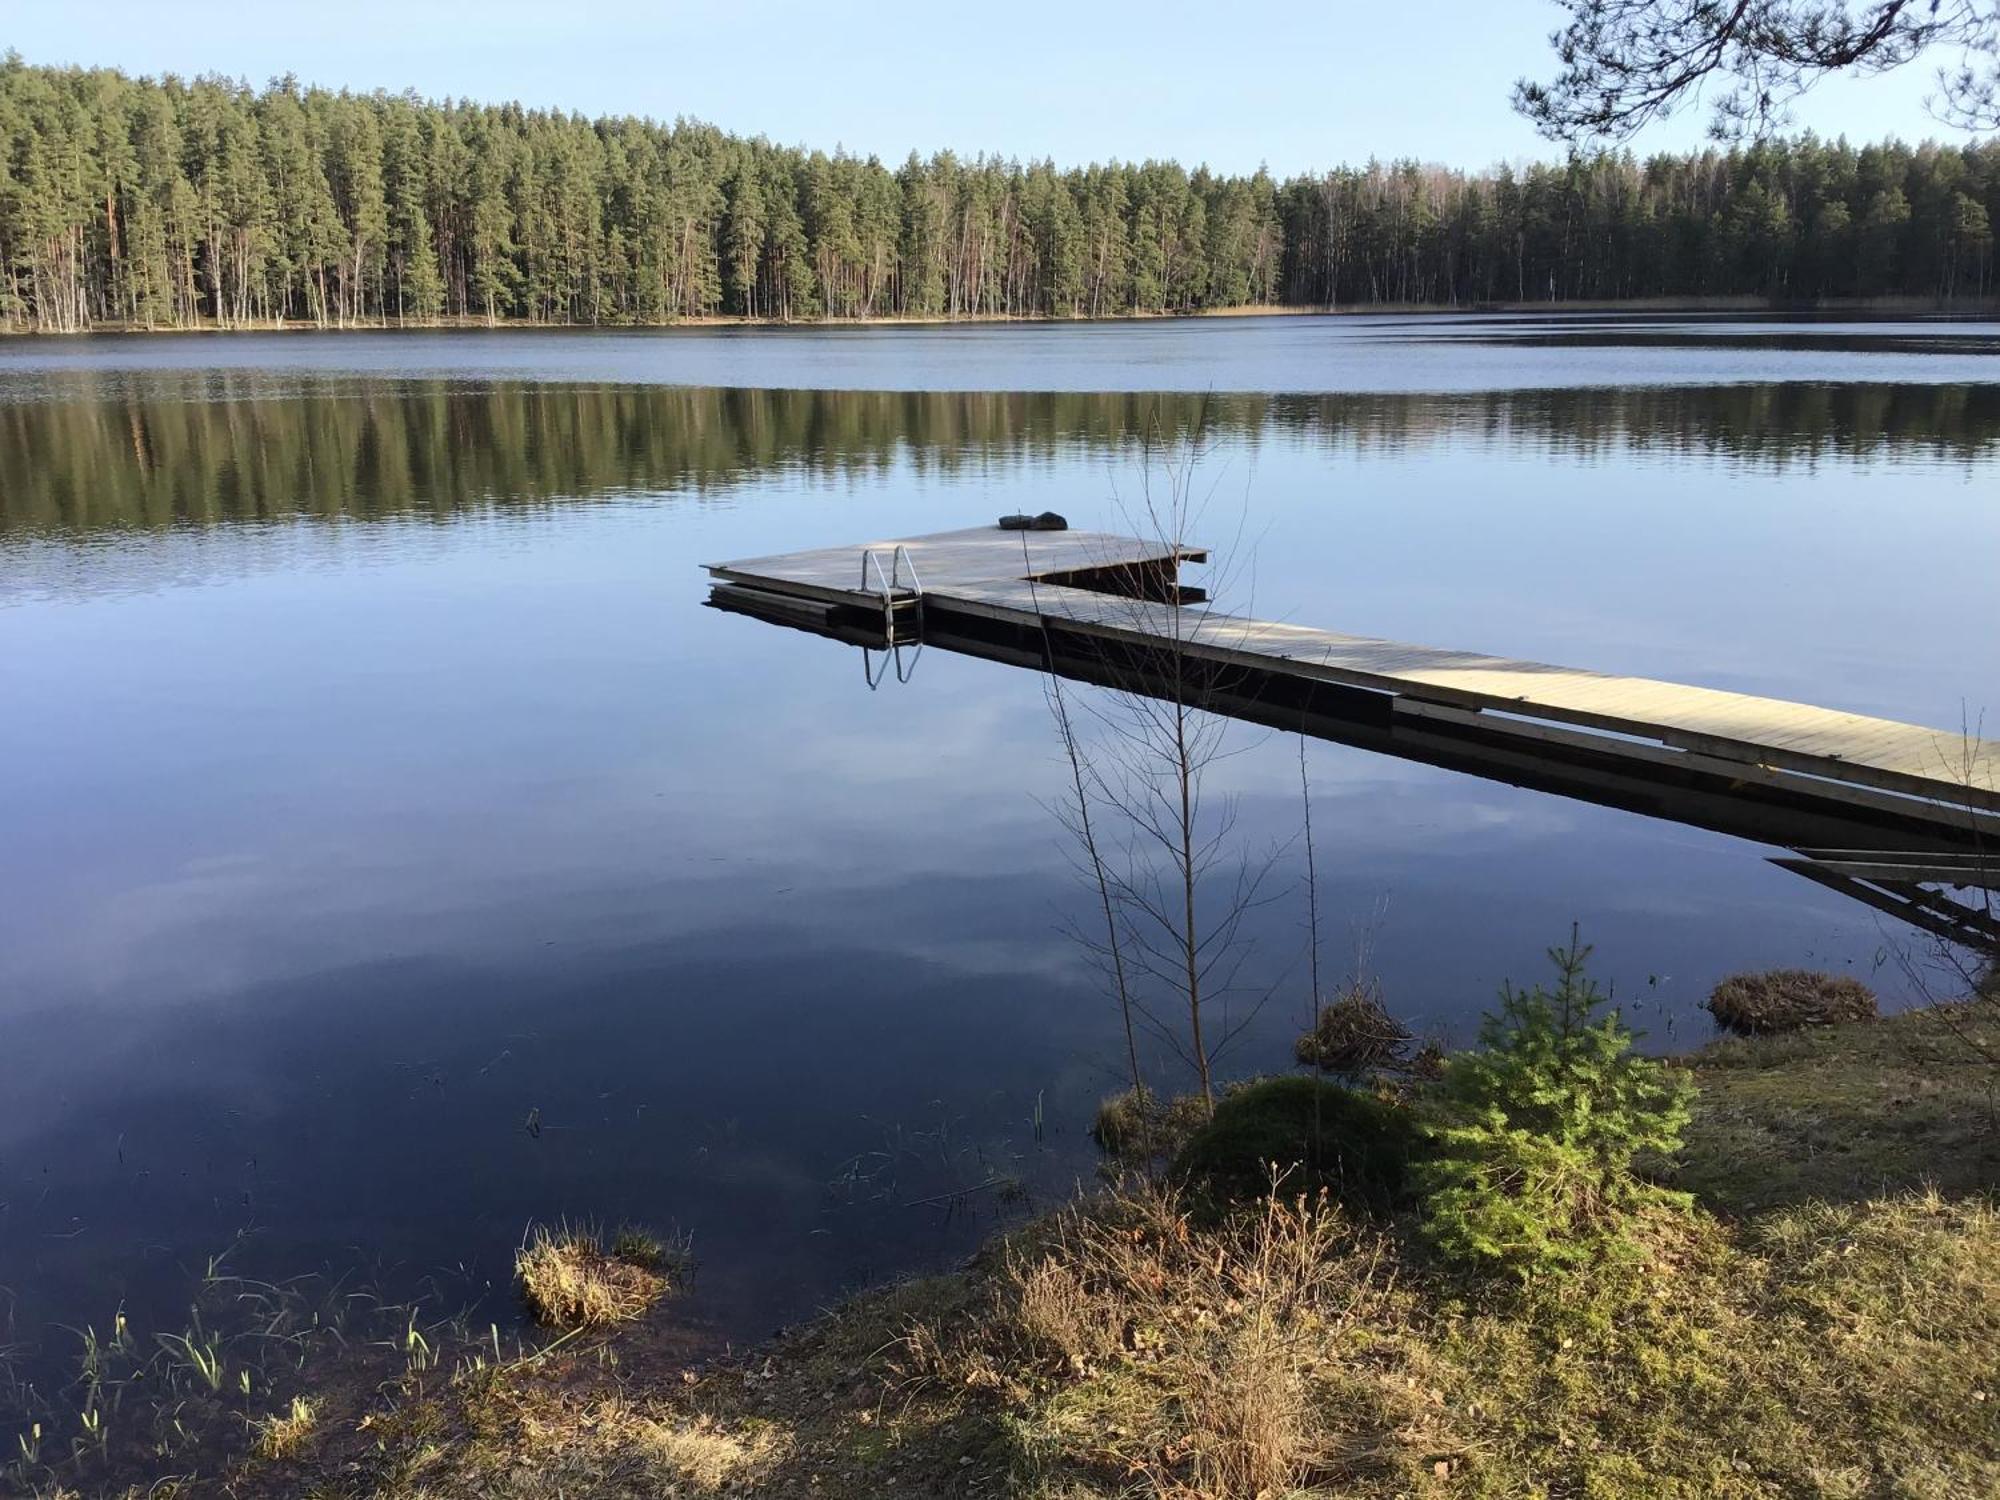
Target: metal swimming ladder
894,594
891,588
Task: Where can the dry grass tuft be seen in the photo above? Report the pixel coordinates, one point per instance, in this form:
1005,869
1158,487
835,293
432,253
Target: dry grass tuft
1057,1312
569,1280
282,1434
1781,1000
1136,1127
1195,1361
1353,1034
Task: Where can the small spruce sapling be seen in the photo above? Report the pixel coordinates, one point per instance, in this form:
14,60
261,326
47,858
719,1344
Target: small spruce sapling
1538,1129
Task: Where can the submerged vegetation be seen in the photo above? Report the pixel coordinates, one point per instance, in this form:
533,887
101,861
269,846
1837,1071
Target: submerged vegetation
254,1368
178,203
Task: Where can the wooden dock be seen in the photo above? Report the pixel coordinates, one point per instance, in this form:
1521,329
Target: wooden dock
1883,810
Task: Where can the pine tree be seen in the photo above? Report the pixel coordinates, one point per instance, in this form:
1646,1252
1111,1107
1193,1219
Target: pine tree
1539,1129
415,289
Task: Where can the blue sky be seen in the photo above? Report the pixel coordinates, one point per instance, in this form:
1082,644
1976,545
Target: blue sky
1229,85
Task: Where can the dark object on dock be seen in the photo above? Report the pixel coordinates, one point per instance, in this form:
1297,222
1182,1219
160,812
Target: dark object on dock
1048,520
1789,1000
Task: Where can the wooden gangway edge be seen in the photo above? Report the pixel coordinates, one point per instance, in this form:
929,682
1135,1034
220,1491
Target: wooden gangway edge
1923,801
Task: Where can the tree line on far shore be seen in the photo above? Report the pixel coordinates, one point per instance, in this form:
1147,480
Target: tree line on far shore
172,203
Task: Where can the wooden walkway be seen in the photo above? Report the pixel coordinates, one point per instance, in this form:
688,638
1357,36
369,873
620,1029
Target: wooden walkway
1034,578
1881,809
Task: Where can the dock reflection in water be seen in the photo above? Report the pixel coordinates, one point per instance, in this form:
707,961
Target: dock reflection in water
1898,817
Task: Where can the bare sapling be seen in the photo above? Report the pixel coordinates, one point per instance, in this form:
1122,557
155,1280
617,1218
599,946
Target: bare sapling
1182,887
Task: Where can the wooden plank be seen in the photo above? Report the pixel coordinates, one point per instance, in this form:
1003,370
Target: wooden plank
1964,823
1947,873
1953,923
1965,861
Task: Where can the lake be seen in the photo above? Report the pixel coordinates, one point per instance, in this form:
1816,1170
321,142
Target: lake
394,850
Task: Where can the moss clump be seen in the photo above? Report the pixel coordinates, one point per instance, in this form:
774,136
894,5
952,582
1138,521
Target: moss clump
1353,1144
569,1280
1354,1034
1780,1000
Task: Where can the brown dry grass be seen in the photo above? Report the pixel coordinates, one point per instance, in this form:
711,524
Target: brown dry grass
569,1280
1781,1000
283,1434
1197,1362
512,1440
1353,1034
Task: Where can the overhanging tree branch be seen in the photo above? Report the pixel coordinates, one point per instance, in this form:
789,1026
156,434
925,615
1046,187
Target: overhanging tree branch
1627,63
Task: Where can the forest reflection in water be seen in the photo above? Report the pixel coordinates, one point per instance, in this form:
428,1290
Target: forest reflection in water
86,453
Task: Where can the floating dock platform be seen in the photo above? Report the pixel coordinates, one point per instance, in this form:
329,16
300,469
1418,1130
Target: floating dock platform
1895,814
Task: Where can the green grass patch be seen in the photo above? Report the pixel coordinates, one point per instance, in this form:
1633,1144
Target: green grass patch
1847,1113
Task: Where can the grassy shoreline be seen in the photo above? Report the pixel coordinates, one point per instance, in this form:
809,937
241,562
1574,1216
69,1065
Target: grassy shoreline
1821,1323
1914,306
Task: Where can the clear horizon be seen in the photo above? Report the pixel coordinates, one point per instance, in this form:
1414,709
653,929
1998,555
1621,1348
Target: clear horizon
1056,82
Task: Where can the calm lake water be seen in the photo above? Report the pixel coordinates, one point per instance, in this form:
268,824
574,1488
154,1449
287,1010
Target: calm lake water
393,849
